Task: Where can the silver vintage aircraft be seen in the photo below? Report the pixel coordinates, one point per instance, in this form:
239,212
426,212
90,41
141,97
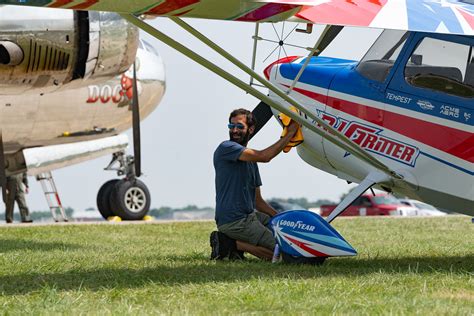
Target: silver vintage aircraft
68,89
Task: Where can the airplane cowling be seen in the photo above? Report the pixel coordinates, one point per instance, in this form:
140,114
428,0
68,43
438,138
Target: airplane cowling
62,49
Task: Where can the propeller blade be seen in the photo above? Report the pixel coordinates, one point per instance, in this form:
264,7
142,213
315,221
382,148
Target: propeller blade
262,114
136,125
327,38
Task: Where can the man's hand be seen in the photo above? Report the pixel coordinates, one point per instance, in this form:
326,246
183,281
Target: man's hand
269,153
293,127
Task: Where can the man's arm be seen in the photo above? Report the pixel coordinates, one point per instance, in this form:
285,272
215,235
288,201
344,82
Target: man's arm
271,152
262,205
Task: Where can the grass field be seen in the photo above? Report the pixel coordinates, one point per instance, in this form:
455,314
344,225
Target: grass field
404,266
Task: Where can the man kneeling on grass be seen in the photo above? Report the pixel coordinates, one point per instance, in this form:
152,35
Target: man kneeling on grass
241,212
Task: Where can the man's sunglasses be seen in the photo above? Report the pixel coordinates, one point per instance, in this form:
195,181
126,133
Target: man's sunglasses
238,125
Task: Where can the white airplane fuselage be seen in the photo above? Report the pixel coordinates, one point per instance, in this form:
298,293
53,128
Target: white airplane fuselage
423,133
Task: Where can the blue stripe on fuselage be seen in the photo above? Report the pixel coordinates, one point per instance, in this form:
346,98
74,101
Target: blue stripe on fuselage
322,70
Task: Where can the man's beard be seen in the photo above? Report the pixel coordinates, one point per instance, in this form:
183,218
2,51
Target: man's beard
239,137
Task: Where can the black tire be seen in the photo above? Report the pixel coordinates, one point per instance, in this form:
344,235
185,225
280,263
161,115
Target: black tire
103,198
130,200
302,260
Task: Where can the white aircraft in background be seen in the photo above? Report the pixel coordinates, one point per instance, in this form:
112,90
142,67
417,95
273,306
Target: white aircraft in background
67,93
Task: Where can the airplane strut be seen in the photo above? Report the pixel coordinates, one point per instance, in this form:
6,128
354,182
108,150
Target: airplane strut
326,131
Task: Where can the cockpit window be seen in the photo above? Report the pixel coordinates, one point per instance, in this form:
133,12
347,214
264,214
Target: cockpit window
379,60
442,66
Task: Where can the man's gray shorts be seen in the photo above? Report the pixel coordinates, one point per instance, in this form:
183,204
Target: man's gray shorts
251,229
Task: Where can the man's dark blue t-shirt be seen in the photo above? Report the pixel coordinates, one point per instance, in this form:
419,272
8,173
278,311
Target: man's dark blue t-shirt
236,182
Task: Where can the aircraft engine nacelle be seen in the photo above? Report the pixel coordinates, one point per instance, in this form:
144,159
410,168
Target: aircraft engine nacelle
43,50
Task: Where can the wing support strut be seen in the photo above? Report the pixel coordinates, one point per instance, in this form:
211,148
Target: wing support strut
324,130
254,52
372,178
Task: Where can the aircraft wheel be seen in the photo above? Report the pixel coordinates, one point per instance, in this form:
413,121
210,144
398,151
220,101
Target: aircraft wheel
302,260
130,199
103,198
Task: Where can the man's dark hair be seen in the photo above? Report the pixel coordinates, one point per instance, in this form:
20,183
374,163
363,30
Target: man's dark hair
251,121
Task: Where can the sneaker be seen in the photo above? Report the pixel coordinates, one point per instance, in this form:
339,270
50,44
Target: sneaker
214,241
221,246
237,255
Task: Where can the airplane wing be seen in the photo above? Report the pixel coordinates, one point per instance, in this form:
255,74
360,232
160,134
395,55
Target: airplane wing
437,16
440,16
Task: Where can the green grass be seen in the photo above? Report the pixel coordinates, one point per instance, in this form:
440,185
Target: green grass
404,266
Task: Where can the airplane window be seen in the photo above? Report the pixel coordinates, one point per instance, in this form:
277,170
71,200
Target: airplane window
441,66
379,60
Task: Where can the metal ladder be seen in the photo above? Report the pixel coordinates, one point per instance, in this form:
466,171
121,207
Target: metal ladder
51,195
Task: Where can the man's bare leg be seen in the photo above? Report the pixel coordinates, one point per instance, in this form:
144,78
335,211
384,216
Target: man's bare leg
257,251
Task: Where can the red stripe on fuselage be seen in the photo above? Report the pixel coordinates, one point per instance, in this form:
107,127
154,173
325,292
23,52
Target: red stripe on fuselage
455,142
170,6
266,11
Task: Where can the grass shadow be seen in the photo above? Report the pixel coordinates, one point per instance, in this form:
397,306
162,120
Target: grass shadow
182,270
8,245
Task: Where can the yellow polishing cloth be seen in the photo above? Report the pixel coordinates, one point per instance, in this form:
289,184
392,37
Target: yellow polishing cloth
298,138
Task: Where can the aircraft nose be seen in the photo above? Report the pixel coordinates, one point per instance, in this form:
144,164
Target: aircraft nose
151,65
284,60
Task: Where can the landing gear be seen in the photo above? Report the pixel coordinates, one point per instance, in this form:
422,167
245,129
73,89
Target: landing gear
103,198
128,198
